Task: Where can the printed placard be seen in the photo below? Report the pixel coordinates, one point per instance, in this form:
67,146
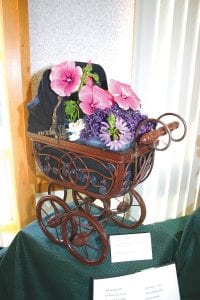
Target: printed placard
155,283
129,247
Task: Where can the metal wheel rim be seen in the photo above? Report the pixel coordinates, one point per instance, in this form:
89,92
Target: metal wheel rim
120,221
96,228
46,230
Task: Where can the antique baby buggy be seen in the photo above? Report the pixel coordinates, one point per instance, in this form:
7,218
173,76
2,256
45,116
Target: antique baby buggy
102,181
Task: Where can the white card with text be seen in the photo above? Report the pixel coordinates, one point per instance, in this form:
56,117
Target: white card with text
129,247
155,283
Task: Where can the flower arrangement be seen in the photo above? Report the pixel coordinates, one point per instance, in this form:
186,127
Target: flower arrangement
111,116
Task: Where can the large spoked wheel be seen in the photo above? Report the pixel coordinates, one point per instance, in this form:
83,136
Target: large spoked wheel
97,208
130,210
84,237
50,211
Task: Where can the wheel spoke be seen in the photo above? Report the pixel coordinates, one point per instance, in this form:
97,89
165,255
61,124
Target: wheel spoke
50,212
96,208
131,203
57,234
93,248
89,243
45,212
56,210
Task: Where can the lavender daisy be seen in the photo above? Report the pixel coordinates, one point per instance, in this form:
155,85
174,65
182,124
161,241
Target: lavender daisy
115,133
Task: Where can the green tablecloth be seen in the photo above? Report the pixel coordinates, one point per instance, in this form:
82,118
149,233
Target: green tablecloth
33,267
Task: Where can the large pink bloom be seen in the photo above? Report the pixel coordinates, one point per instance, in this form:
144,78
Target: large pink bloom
93,97
65,78
124,95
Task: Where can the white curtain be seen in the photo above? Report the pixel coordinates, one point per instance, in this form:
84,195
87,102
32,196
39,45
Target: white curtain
166,77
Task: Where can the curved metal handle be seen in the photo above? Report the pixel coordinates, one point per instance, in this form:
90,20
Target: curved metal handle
182,122
152,136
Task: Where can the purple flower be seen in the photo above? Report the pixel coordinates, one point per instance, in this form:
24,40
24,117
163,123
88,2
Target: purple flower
115,133
95,122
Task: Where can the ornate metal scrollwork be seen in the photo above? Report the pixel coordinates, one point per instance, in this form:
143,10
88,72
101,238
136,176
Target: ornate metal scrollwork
76,170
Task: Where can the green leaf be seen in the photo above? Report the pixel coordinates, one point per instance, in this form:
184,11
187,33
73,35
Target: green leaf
111,120
95,76
87,72
71,109
87,68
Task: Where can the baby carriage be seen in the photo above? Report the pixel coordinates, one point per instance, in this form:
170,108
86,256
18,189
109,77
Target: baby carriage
101,183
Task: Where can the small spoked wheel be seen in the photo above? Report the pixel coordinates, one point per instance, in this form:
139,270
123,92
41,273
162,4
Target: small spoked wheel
95,207
130,210
84,237
50,211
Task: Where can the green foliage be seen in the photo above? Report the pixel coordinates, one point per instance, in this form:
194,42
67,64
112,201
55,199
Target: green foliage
71,108
113,130
87,72
111,120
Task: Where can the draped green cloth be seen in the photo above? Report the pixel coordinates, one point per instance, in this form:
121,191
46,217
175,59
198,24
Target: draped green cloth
188,258
33,267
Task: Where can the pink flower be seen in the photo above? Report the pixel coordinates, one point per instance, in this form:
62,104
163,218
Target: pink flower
89,81
65,78
93,97
124,95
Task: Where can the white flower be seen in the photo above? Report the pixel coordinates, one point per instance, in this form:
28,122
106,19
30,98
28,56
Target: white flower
75,129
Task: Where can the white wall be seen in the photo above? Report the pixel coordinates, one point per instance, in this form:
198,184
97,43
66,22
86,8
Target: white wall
100,30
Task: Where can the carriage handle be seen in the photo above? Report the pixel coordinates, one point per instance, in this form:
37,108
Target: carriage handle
152,136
